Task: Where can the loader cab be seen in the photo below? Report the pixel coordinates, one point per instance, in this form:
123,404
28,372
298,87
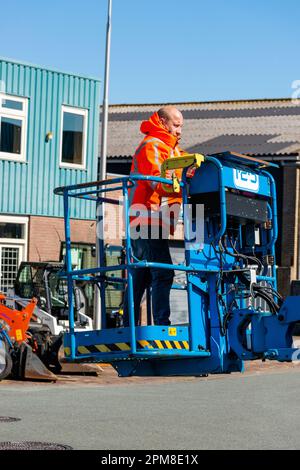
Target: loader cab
41,280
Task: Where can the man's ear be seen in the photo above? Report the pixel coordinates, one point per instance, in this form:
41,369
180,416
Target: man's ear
163,123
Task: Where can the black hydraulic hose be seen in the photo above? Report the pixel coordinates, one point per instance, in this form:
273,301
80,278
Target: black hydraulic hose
247,257
258,291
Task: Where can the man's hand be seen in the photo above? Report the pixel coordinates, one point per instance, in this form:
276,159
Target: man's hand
171,175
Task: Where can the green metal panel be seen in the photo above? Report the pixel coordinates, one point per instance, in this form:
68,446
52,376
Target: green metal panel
27,188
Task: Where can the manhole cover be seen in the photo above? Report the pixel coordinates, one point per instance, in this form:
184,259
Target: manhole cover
29,445
8,419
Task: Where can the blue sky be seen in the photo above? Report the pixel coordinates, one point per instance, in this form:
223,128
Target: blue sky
163,50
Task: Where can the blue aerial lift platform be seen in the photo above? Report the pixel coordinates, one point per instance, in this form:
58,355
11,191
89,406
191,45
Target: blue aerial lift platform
234,310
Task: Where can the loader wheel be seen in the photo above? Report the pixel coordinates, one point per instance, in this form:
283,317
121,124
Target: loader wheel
6,362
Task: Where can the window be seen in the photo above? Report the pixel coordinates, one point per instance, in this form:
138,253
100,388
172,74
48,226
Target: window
13,248
9,230
13,125
10,258
73,138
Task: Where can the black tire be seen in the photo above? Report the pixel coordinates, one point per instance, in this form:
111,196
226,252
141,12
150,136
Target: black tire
7,364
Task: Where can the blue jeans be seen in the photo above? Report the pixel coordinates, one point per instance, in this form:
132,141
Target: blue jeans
160,280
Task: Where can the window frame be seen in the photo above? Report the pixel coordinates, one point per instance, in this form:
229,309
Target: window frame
23,117
81,112
16,220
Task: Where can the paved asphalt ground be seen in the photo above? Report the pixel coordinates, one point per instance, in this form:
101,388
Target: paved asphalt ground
239,411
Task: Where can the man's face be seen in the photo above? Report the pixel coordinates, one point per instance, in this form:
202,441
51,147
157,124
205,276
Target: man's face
173,123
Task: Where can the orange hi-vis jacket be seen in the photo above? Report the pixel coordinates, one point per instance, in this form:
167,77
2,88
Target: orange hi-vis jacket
157,145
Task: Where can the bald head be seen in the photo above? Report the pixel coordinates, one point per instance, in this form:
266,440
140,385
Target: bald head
171,119
168,111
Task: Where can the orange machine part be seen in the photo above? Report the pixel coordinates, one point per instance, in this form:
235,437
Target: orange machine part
17,321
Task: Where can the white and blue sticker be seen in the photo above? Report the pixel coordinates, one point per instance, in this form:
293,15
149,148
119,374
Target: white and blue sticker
246,180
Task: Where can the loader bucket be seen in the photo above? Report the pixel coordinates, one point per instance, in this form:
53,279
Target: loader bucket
33,368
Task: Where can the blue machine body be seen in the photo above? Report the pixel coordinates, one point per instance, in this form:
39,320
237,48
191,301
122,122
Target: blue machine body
234,310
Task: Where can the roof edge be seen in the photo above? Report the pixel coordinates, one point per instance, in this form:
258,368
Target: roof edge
259,100
48,69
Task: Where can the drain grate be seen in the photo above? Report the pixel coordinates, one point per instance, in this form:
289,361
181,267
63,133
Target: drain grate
31,445
8,419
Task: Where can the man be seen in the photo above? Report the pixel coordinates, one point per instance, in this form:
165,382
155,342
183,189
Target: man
150,225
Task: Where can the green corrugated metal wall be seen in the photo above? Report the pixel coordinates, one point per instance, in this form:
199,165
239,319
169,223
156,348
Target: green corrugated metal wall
27,188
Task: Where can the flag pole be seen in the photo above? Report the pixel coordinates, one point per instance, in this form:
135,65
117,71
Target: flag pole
100,299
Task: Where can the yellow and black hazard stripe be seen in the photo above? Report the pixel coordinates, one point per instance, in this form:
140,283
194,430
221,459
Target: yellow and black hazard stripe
96,348
104,348
117,347
162,344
